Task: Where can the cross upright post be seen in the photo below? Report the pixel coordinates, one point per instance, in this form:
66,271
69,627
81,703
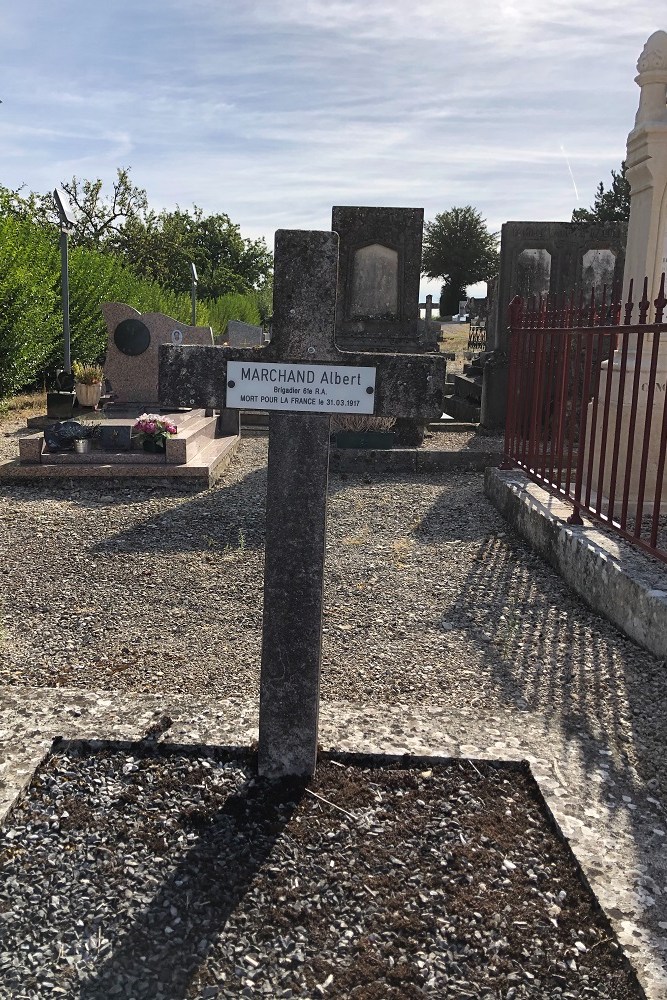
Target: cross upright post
301,378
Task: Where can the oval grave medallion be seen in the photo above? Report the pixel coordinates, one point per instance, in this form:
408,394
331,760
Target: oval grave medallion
132,337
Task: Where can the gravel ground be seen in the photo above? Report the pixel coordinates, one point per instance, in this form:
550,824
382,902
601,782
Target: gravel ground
462,441
429,599
179,876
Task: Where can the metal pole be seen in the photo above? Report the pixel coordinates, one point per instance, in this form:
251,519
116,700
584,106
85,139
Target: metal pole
64,284
194,303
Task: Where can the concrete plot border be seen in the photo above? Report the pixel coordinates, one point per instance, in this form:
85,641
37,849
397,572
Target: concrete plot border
625,585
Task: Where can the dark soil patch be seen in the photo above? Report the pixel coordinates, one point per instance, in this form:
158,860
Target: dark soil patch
181,875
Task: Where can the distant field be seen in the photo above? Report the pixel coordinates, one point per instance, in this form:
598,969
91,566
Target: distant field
454,337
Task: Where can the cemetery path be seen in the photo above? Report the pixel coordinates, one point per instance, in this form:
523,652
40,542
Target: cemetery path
438,620
430,599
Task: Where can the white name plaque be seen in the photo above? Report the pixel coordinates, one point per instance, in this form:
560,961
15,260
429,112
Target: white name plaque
302,388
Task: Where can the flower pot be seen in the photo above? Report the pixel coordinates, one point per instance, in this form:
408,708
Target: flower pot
156,447
82,446
88,395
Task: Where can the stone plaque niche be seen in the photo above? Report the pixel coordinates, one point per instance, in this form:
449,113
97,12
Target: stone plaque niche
533,273
597,270
374,291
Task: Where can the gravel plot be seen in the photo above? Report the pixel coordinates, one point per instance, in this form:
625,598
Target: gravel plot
429,599
179,876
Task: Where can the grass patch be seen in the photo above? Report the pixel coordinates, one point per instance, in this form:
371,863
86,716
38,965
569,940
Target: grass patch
402,548
16,406
454,337
361,539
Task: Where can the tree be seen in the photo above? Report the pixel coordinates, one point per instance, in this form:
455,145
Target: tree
611,205
158,246
101,219
459,248
162,245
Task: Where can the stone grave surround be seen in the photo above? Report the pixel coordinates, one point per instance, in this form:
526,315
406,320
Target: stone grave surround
133,342
377,306
303,344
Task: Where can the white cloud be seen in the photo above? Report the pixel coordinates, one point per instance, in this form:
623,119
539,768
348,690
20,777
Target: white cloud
275,111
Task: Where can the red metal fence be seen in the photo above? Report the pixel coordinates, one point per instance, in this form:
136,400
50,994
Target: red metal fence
587,407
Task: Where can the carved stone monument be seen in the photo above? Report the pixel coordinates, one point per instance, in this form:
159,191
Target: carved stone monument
646,170
549,258
543,258
646,256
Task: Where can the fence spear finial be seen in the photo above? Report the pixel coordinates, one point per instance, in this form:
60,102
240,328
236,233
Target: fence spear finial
661,301
645,303
629,305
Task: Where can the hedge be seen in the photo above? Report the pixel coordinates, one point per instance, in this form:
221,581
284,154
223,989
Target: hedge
31,343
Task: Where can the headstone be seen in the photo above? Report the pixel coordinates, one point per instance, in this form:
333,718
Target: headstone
240,334
302,378
133,342
377,307
539,258
477,310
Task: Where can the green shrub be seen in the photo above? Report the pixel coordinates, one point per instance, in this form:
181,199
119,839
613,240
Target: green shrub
234,305
30,317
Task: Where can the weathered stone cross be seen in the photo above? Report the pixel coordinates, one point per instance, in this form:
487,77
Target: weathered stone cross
301,358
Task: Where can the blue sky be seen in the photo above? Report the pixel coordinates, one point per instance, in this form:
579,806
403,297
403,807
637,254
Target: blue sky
274,111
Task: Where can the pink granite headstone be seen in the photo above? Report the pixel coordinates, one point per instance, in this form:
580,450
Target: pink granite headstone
133,344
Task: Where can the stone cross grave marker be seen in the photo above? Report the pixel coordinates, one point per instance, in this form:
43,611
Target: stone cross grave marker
301,378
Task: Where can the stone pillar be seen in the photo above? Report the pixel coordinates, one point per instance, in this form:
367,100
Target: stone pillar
646,256
646,171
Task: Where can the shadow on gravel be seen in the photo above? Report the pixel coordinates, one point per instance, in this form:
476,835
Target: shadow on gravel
552,657
225,517
96,493
453,517
199,895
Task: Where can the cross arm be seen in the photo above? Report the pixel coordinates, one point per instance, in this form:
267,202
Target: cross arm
197,376
406,385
